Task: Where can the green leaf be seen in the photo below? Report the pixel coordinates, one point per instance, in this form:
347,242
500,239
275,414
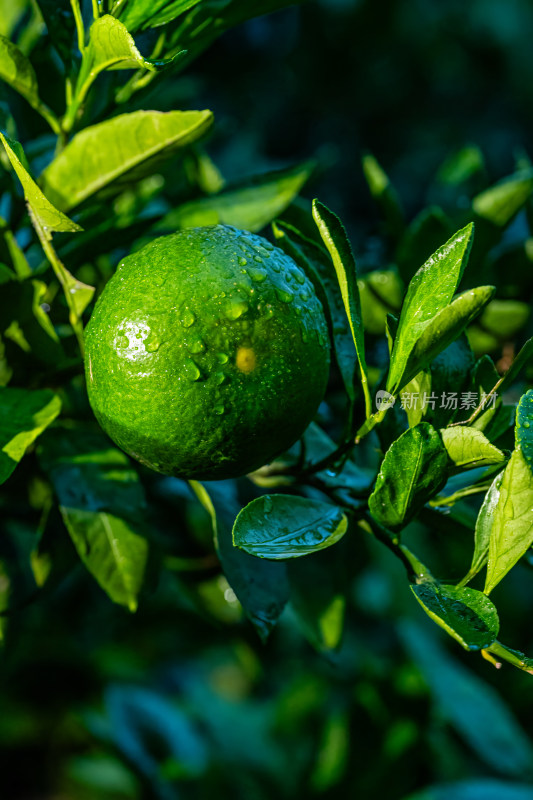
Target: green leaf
502,201
102,504
465,614
484,523
16,70
384,194
317,264
483,789
20,310
524,427
336,240
48,217
249,206
85,166
514,657
412,471
470,705
511,534
111,46
24,415
143,14
281,526
445,327
261,587
429,292
469,448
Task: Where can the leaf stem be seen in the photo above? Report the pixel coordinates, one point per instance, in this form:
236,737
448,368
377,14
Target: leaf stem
80,30
62,276
96,10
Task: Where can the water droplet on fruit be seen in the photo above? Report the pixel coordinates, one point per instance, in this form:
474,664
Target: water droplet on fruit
304,296
152,346
188,319
300,277
196,346
243,262
269,311
222,358
219,409
236,308
219,378
258,259
190,370
284,296
257,275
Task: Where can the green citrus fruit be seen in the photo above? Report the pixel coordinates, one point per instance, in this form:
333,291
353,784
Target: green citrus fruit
207,353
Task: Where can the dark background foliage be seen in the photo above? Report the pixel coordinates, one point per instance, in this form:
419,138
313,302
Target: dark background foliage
170,703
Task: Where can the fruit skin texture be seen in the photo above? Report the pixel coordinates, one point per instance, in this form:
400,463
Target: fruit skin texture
207,353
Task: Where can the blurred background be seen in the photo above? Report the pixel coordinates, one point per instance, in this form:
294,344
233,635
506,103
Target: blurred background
182,699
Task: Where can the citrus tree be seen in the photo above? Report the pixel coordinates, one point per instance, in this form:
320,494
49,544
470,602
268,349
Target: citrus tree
206,357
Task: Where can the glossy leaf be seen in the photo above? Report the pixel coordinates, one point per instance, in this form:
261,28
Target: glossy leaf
511,534
429,292
24,414
143,14
49,218
469,448
484,523
102,503
465,614
412,471
502,201
336,240
261,586
250,206
445,327
471,706
524,427
84,166
281,526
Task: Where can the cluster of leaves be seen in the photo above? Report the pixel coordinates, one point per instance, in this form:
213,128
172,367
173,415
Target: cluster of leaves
433,461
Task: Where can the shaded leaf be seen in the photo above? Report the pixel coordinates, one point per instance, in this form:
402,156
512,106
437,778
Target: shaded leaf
102,503
261,587
59,21
16,70
470,705
430,291
465,614
318,266
469,448
384,194
24,415
502,201
144,14
412,471
318,596
84,166
484,789
249,206
336,240
284,526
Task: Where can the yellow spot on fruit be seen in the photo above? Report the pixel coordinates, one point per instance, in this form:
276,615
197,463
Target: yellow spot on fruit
245,359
